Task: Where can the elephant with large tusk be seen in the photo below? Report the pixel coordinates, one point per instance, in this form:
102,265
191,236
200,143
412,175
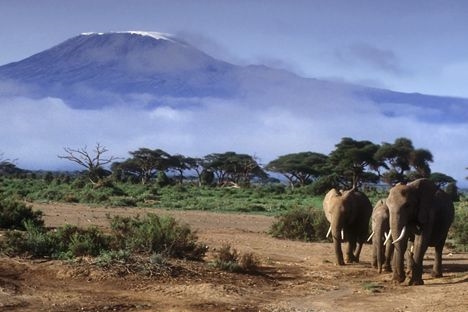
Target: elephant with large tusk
418,209
348,213
382,247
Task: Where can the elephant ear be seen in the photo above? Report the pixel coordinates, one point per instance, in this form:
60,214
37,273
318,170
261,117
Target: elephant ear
426,190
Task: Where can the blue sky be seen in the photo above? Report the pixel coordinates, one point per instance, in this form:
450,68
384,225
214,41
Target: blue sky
410,46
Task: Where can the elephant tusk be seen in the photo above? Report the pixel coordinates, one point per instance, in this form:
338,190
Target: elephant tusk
387,237
329,231
402,234
342,235
370,236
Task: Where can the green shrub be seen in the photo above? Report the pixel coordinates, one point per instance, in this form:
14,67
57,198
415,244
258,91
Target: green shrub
459,230
155,234
228,259
90,242
62,243
109,257
300,224
14,214
35,242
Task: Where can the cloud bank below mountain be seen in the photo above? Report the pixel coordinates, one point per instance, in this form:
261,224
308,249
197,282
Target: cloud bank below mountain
35,131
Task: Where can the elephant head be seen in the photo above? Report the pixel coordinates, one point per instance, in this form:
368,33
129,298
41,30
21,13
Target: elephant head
348,213
382,251
412,211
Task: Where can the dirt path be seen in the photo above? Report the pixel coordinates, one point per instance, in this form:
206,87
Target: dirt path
295,276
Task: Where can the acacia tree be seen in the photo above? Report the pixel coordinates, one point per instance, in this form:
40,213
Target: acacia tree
7,166
179,164
299,168
145,163
233,167
198,165
93,161
352,161
441,179
400,157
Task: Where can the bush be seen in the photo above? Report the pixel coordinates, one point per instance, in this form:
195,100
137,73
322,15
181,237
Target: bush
63,243
459,229
230,260
107,258
155,234
14,214
35,242
300,224
90,242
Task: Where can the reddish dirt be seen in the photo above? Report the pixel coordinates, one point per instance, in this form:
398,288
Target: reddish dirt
294,276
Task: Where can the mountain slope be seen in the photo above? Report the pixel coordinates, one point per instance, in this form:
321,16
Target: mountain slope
142,69
121,64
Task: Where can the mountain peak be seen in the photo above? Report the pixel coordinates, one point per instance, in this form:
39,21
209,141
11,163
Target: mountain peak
152,34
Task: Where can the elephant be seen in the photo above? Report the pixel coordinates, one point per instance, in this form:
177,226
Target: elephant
382,251
348,213
421,210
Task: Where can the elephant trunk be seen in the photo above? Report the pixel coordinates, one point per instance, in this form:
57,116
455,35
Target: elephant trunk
378,247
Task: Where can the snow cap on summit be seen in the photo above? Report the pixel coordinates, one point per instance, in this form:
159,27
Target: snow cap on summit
153,34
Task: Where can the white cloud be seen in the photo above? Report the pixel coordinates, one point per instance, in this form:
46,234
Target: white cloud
35,131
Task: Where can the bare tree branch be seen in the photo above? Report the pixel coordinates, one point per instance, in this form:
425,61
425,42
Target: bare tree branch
93,161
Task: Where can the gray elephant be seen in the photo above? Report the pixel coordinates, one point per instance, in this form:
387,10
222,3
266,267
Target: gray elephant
420,209
382,248
348,213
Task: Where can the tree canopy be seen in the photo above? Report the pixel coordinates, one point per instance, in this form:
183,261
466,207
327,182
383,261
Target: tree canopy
352,161
399,158
300,168
351,164
145,163
233,167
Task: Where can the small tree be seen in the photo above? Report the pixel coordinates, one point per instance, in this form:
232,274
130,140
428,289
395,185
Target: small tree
233,167
352,160
399,158
7,166
93,161
299,168
441,179
145,164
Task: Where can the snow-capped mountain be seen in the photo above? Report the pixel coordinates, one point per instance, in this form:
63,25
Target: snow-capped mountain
144,89
145,69
97,69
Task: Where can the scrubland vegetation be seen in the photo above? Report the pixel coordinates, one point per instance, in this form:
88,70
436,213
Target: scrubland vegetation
226,182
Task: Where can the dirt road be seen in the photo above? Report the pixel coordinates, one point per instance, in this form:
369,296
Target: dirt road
295,276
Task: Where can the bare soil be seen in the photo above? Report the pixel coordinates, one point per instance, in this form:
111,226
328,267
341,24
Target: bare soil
294,276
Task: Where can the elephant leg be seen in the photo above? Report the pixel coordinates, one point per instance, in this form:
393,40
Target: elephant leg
420,247
357,251
374,260
388,257
399,274
437,268
338,251
409,259
349,251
